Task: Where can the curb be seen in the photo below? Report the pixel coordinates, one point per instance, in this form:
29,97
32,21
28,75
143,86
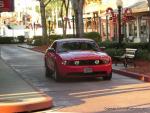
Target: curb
35,104
42,103
29,47
38,51
138,76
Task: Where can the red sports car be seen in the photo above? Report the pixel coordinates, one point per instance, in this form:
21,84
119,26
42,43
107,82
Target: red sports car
77,57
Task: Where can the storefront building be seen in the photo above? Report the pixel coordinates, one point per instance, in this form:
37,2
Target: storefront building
137,27
135,23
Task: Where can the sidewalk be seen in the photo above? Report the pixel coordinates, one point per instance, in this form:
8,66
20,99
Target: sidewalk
26,46
120,69
17,95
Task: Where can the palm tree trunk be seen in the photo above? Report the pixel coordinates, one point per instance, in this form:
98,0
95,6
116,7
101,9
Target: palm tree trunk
78,9
81,25
43,20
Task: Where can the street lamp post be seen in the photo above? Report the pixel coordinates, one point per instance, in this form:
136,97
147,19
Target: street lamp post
109,10
73,21
119,4
34,28
107,27
49,22
149,20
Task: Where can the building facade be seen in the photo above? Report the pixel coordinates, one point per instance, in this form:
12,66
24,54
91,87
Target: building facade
21,21
96,19
135,25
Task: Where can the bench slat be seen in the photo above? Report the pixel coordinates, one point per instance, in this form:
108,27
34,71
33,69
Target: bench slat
127,57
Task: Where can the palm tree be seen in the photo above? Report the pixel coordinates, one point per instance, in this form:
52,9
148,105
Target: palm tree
65,5
61,7
78,10
43,4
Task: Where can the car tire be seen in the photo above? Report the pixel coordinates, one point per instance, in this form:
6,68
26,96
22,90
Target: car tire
108,77
48,73
56,75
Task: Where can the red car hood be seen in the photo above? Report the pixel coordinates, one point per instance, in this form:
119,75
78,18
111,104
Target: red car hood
82,55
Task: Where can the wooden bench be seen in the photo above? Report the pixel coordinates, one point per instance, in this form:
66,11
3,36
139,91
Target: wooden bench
128,57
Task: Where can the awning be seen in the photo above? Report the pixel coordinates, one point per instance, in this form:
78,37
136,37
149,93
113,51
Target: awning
145,13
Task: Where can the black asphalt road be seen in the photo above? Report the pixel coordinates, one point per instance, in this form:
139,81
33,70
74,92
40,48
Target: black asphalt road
121,94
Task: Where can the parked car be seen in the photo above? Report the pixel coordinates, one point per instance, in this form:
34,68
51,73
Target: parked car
76,57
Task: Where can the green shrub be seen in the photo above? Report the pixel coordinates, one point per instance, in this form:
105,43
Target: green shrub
21,39
70,36
38,41
37,37
29,41
141,53
149,47
114,52
137,45
109,44
93,35
6,40
55,37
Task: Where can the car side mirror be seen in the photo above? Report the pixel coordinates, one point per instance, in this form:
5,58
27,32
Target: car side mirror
52,50
102,48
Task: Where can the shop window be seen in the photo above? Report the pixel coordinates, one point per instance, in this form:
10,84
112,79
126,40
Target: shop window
133,28
59,24
143,27
144,30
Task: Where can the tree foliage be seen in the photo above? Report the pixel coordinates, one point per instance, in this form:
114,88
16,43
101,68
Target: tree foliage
61,8
47,6
52,6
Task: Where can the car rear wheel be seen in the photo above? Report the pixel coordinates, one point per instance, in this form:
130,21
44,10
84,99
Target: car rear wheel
108,77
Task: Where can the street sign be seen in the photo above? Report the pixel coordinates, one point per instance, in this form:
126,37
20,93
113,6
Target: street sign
6,5
1,4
